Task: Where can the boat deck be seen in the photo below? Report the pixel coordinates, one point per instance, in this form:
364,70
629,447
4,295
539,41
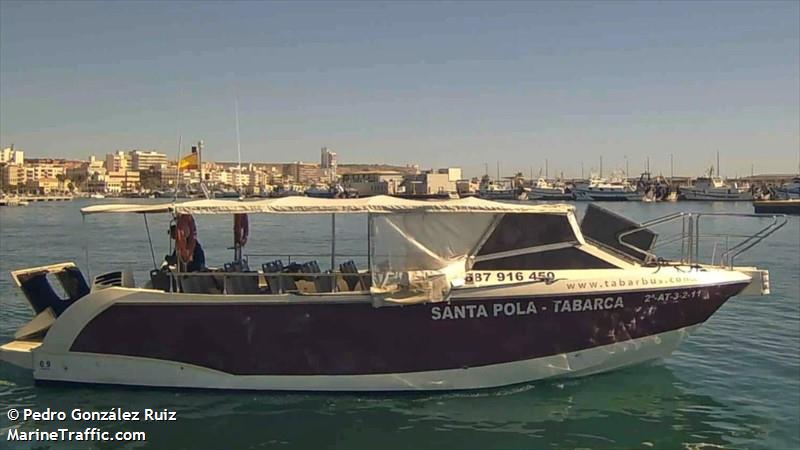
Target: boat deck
19,353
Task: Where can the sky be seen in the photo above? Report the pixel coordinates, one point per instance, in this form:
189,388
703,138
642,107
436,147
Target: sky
437,84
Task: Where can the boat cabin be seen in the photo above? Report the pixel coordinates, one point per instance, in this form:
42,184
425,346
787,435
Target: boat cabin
416,249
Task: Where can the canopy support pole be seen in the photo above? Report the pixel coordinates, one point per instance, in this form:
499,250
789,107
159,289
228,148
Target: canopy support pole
333,242
86,247
150,241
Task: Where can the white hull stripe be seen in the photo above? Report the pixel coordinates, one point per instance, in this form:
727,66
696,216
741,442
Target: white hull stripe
126,370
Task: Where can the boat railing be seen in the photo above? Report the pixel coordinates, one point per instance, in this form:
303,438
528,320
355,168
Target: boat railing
294,257
690,237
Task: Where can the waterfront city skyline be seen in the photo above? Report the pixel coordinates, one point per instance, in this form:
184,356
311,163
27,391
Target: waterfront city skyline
438,84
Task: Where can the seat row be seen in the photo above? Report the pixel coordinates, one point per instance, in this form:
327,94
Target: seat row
277,279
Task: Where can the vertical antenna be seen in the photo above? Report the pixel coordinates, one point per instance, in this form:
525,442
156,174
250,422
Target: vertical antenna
238,145
178,169
671,167
498,170
627,172
719,172
546,169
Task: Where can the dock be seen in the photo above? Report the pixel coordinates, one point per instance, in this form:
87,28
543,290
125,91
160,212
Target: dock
22,200
777,206
45,198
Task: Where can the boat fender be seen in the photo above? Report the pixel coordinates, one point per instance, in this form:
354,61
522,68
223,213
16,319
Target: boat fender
186,237
241,229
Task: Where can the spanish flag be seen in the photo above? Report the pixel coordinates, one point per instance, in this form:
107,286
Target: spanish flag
189,161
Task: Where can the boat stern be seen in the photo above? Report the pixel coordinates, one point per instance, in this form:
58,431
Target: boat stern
50,290
19,353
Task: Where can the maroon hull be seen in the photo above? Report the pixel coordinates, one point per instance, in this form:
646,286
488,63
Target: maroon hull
356,338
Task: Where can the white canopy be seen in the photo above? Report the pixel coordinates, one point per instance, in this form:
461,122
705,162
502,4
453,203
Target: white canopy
309,205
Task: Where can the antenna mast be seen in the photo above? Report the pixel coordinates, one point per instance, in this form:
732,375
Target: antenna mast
178,169
238,146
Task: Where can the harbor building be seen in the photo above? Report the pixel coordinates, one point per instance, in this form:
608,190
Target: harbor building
369,183
11,156
439,182
115,182
44,186
466,187
38,169
12,177
142,160
301,172
118,161
329,163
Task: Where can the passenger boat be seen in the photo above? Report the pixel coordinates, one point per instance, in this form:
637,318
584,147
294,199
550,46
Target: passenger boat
716,189
322,190
12,200
227,193
545,190
457,294
655,189
601,189
791,190
500,190
287,190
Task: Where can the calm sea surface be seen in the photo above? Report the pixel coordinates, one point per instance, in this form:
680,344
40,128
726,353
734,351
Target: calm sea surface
733,384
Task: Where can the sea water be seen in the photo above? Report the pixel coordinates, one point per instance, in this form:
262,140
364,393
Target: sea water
734,384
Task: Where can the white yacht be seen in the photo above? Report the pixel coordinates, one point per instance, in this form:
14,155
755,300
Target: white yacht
545,190
500,190
601,189
716,189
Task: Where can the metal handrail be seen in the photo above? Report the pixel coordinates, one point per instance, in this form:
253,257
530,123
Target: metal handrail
690,236
778,221
289,257
648,256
